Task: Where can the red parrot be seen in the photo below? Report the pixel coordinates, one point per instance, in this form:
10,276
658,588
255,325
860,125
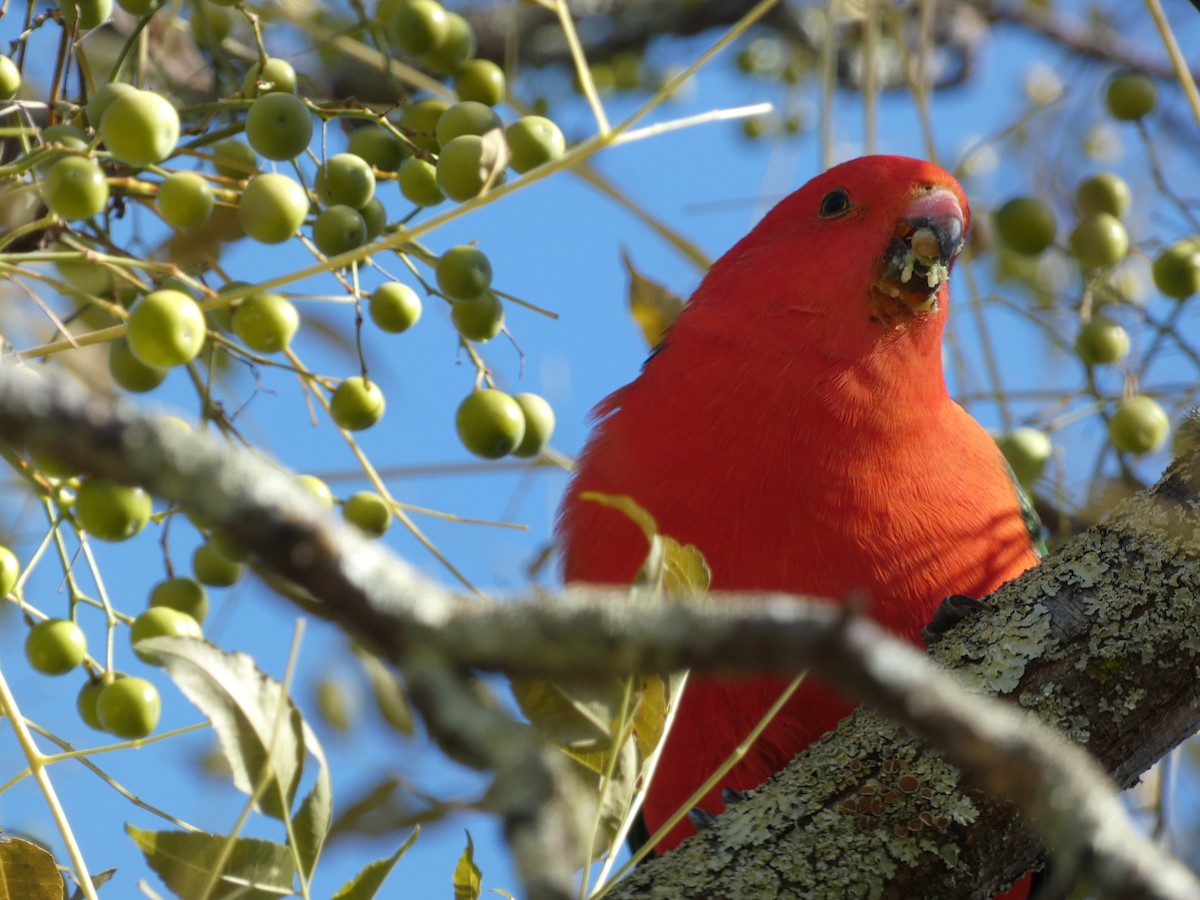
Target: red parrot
794,425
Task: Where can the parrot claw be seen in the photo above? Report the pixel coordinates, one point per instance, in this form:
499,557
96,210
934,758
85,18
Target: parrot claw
701,819
954,609
732,797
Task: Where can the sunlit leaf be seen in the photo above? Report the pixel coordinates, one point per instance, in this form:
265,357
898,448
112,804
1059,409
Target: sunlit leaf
468,880
313,818
28,872
574,714
389,693
652,306
366,884
185,860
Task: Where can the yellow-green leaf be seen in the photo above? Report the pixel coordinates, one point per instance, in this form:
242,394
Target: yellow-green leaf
468,880
652,306
28,871
626,504
574,714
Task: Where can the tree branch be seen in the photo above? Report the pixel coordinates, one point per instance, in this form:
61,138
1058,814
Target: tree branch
1072,641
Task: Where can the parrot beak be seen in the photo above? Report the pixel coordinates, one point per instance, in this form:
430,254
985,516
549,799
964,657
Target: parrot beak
929,234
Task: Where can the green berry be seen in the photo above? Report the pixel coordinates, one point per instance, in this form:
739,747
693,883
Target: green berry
418,26
213,569
418,182
539,425
184,200
345,179
88,697
455,50
165,329
55,646
86,14
490,423
1105,192
62,136
467,117
1027,451
10,78
129,708
183,594
1139,425
1101,341
130,372
266,323
468,165
533,141
479,319
318,488
224,542
1177,269
369,512
140,128
272,206
99,102
1025,225
140,7
235,160
357,404
374,216
276,76
419,120
111,511
279,126
75,188
161,621
1099,240
1130,95
464,273
481,80
339,229
10,570
395,307
378,147
211,23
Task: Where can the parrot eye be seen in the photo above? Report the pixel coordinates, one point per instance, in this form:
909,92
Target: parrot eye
834,204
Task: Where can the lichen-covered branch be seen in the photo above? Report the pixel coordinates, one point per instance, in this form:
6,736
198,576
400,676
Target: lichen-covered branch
1101,641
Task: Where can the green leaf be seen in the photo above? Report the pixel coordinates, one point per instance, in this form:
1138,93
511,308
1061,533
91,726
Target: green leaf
389,806
626,504
184,860
28,872
366,884
258,727
652,306
390,695
576,714
468,880
311,825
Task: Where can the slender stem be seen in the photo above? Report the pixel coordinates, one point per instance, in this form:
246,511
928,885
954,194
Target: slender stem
1182,72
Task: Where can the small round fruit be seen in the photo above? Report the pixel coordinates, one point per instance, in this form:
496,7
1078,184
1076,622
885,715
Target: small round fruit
418,26
235,159
1130,95
55,646
1027,450
455,50
378,147
339,229
10,78
211,23
87,14
478,320
10,570
419,121
1101,341
539,425
374,216
130,372
161,621
63,136
211,568
1177,269
184,200
75,188
111,511
165,329
1105,192
418,182
272,206
535,141
467,117
357,404
464,272
468,165
490,423
183,594
266,323
88,697
1139,425
140,7
1099,240
1025,225
481,80
230,547
82,273
129,708
318,488
395,307
277,75
140,128
369,512
99,102
346,179
279,126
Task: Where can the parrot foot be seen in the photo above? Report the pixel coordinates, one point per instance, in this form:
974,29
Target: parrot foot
701,819
954,609
732,797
